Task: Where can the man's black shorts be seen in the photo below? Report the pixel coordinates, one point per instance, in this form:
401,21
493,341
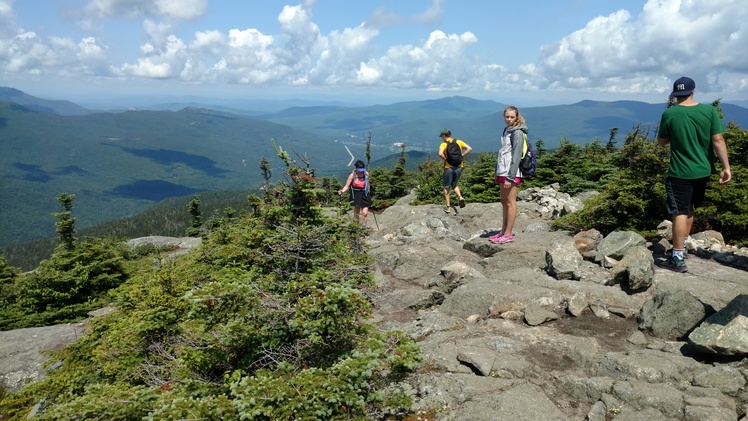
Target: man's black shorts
682,193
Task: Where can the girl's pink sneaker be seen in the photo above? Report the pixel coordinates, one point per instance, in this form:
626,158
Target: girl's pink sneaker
495,238
505,239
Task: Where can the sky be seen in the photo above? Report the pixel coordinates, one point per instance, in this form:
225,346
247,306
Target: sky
528,53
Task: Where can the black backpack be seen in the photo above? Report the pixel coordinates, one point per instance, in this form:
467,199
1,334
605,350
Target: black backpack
454,153
529,162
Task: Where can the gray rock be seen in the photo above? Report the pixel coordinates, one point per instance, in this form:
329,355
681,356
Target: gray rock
431,322
453,275
617,244
598,412
571,206
586,389
412,300
671,314
648,365
725,332
577,304
536,315
704,413
161,241
537,227
622,312
22,351
635,269
510,405
591,272
478,360
586,242
645,396
637,338
600,310
563,261
709,237
727,379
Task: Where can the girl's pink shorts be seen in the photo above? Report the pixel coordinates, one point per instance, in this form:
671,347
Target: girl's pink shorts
501,179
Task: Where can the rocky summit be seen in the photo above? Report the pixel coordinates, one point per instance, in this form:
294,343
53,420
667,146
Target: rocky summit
553,326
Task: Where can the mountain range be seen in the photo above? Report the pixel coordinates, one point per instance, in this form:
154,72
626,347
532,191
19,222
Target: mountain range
120,162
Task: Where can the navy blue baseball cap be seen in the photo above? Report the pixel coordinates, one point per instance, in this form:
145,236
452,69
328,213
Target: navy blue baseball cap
683,86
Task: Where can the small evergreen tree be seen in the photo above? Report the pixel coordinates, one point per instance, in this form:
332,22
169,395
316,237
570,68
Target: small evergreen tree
480,181
8,293
197,217
390,185
540,148
610,147
65,226
430,182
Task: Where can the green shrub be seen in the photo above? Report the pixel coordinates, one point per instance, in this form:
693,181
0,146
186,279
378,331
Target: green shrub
65,287
633,198
725,208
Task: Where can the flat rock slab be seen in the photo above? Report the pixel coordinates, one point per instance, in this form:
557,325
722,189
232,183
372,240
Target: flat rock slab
22,351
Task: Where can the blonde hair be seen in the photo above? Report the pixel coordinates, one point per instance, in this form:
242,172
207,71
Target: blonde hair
520,120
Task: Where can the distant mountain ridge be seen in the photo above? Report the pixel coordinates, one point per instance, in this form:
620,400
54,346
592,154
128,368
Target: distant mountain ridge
44,105
119,163
480,122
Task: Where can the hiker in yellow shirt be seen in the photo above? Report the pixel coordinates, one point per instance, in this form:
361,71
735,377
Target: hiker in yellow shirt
452,152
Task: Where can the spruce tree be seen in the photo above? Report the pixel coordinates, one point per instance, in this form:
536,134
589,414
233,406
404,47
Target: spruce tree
66,224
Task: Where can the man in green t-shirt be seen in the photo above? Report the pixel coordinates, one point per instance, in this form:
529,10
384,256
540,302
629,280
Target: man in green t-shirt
694,132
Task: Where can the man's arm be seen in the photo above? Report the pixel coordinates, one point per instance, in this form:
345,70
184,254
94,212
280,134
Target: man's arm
720,148
467,149
443,151
663,141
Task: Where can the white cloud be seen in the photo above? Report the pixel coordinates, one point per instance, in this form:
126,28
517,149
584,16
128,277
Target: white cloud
341,55
618,54
367,75
441,63
432,14
133,9
26,53
162,61
157,32
146,68
7,19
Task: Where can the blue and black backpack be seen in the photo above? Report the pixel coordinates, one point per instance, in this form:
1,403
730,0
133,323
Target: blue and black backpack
529,162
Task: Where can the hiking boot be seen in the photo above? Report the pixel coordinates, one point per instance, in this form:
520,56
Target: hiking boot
673,263
462,202
446,209
505,239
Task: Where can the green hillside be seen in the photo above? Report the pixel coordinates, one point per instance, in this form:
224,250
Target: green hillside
118,164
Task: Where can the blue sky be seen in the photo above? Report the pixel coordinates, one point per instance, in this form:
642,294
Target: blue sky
534,52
